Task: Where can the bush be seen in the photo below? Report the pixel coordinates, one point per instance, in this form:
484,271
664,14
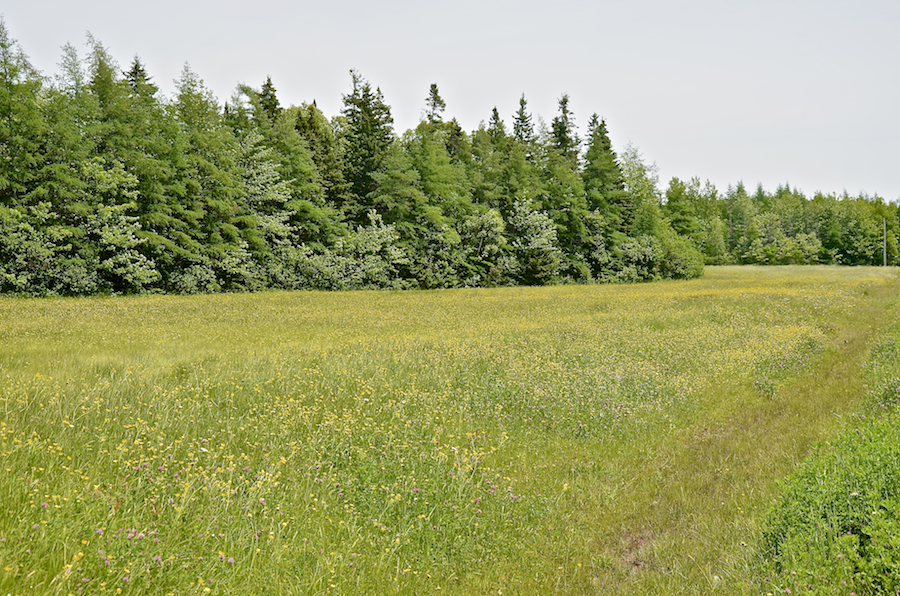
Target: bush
679,258
838,523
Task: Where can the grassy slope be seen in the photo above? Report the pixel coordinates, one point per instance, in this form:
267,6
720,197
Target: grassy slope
576,439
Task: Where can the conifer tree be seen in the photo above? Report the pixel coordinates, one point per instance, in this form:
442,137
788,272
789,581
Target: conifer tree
443,181
523,130
317,131
564,136
643,195
497,130
367,141
141,83
21,122
434,105
211,201
679,207
602,175
105,186
458,144
269,101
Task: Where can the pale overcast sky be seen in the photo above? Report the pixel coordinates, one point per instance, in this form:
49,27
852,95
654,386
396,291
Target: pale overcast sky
805,92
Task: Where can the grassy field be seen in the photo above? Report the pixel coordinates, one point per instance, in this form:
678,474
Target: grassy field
575,440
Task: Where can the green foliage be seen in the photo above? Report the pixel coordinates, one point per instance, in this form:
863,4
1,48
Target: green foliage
233,197
679,257
486,252
534,245
369,258
269,101
563,133
22,124
712,235
641,183
633,260
839,518
34,252
523,129
109,187
366,139
679,207
603,180
434,105
835,529
320,139
121,266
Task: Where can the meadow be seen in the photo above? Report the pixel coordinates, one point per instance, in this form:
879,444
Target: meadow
572,439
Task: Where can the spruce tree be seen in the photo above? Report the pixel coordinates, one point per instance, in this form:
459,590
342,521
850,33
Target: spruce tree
312,125
141,83
443,181
367,140
458,144
602,175
523,130
497,130
642,197
269,101
564,135
434,105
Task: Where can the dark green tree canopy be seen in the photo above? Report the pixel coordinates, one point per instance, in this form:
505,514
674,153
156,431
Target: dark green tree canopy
523,130
107,186
268,100
564,135
367,139
141,83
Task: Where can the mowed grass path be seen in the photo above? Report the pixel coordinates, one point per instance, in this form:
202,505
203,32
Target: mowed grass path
578,439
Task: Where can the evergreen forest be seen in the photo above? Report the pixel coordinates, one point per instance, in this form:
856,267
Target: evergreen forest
109,187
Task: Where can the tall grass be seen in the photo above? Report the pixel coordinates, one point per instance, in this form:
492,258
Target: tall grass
580,439
835,528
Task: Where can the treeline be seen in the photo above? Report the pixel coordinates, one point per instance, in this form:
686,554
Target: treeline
106,186
784,227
